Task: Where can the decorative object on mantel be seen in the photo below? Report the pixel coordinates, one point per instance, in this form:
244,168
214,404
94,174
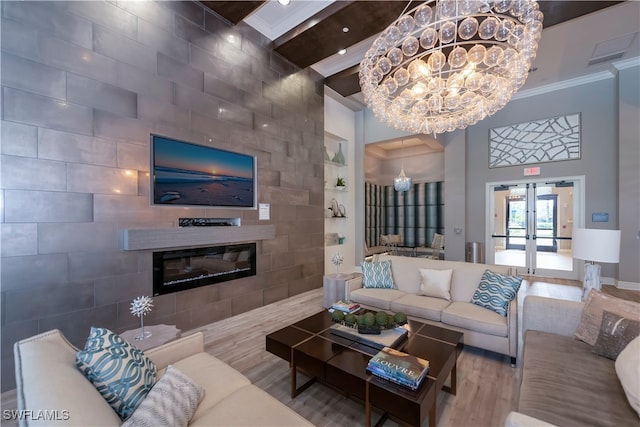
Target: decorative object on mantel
369,322
341,184
326,154
339,156
337,259
445,65
140,307
208,222
547,140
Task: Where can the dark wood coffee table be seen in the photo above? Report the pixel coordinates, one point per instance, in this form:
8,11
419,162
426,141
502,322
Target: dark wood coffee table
311,348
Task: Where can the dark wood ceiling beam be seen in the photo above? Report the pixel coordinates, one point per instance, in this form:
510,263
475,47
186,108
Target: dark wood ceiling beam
309,23
346,82
313,43
233,11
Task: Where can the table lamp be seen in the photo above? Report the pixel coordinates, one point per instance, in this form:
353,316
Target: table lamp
594,245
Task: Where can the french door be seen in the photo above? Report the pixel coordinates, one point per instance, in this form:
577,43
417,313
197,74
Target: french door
531,223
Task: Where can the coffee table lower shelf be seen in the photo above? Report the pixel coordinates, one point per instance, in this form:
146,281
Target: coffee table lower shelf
339,362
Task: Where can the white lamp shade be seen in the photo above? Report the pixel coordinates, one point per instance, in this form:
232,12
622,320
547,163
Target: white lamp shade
596,245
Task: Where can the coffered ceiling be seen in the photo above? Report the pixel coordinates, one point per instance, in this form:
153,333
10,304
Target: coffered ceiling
310,33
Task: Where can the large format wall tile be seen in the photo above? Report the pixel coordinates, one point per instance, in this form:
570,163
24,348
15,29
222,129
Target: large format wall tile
84,84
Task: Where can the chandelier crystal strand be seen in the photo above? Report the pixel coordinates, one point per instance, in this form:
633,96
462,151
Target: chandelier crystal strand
447,64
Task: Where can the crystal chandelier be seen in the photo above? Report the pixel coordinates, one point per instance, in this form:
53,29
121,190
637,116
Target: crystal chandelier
402,182
447,64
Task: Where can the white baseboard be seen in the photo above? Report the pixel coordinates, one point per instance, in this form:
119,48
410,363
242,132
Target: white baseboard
632,286
608,281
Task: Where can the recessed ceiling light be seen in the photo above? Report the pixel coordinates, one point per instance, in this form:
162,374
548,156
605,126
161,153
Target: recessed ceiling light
345,29
342,51
284,2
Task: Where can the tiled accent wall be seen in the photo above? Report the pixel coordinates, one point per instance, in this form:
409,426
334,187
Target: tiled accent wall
83,86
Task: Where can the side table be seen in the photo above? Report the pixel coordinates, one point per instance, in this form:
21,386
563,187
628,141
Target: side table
160,334
333,287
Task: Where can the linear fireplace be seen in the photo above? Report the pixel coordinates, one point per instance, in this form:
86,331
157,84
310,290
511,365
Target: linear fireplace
178,270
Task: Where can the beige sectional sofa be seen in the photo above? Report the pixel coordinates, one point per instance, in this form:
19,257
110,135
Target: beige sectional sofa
482,327
47,379
564,382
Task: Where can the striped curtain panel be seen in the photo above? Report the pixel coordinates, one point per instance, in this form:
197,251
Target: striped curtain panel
416,215
374,213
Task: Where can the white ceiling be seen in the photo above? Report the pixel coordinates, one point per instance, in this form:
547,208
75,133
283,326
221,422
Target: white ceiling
564,52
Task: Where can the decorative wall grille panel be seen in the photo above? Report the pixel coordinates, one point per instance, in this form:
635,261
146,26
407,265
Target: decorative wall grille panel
548,140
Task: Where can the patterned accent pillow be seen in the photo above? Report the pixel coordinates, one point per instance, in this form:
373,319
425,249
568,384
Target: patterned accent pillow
496,291
171,402
589,327
616,332
119,371
377,274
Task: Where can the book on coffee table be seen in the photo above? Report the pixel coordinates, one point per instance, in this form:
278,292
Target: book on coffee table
386,338
346,306
399,367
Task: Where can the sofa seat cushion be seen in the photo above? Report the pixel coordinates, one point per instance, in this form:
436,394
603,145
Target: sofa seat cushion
428,308
474,318
250,406
380,298
565,383
217,378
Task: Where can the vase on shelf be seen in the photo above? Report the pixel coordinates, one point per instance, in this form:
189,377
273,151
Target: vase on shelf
326,154
339,156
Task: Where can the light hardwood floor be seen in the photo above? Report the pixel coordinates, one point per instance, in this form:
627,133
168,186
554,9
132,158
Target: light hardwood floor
487,383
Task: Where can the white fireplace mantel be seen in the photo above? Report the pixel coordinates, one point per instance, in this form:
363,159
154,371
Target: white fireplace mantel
135,239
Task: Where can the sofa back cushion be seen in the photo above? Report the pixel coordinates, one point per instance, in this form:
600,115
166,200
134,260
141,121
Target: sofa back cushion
47,378
464,280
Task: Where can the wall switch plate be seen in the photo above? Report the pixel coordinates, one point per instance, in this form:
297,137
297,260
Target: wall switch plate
457,230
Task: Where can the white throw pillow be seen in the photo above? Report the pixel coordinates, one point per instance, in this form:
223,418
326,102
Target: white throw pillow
171,402
435,283
628,370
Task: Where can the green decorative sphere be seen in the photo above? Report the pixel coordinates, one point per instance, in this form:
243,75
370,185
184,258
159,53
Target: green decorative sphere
369,319
360,320
337,315
350,318
400,318
382,318
391,319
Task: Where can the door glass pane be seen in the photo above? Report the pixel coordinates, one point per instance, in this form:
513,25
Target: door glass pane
509,227
554,212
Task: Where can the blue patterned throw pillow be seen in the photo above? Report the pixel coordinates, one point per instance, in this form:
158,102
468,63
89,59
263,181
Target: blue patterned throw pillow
119,371
496,291
377,275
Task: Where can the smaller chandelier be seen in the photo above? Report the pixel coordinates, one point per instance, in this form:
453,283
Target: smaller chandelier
402,183
447,64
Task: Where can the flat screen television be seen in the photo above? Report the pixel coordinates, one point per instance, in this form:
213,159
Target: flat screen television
186,174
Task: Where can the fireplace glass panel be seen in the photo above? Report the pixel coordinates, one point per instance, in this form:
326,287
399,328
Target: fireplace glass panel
179,270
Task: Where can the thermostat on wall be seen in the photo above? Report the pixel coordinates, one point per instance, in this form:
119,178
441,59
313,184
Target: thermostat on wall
600,217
